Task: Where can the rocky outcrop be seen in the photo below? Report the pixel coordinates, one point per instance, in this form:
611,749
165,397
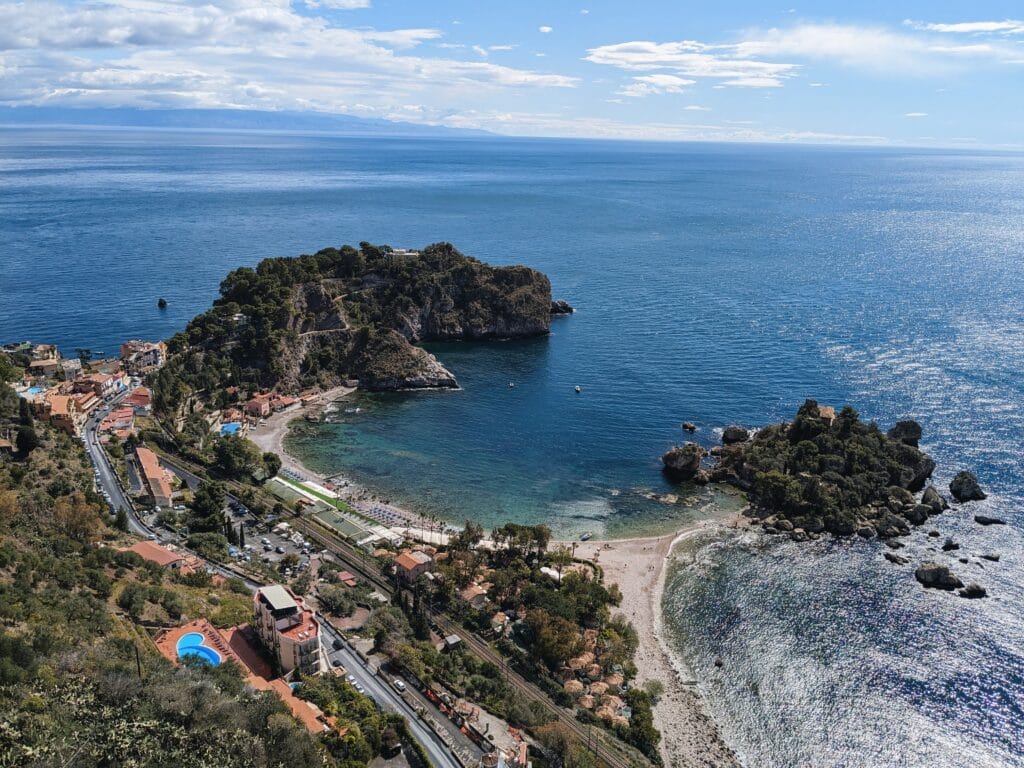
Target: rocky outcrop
689,426
895,559
561,307
973,591
986,520
935,576
907,432
682,462
933,499
964,487
830,472
734,434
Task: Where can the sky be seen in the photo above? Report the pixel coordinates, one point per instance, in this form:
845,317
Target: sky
870,72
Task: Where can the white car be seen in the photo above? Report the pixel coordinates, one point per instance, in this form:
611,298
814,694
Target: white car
399,685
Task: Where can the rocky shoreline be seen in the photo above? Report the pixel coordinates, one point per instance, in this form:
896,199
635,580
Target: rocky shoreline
831,474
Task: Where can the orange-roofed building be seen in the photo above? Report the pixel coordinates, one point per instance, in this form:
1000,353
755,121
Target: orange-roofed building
63,412
412,565
258,406
141,400
154,553
156,479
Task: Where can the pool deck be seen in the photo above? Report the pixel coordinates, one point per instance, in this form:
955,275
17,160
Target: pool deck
234,644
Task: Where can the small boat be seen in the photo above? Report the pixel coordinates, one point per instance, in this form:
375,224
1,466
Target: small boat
578,389
511,385
586,536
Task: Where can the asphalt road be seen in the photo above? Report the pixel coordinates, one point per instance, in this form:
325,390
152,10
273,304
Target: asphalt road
387,697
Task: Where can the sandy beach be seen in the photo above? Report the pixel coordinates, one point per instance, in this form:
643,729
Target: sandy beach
270,436
688,736
638,565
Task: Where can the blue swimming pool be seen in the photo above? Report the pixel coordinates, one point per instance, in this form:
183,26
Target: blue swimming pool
231,428
192,645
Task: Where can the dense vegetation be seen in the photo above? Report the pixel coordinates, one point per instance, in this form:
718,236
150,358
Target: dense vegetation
837,474
345,313
80,682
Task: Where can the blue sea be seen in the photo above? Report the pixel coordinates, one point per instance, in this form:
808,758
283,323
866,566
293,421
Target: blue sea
714,283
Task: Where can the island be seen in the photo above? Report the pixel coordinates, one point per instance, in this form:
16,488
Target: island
351,315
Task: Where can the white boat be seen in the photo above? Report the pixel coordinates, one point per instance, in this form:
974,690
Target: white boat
578,389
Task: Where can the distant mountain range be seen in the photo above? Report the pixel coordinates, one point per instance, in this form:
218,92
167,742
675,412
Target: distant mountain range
222,119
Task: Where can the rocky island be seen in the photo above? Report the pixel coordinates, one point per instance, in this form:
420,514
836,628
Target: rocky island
351,315
822,472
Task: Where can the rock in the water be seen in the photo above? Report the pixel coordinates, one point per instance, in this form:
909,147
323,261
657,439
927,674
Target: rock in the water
682,461
734,434
973,591
162,303
894,544
918,513
702,477
986,520
784,525
799,534
992,556
965,560
689,426
866,532
917,471
934,499
907,432
964,487
935,576
894,558
950,545
561,307
933,534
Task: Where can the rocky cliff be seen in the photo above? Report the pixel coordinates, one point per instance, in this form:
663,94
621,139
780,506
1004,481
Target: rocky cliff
352,313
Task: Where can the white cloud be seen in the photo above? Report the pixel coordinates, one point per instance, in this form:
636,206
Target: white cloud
343,5
696,108
916,114
1007,26
692,59
649,85
257,54
546,30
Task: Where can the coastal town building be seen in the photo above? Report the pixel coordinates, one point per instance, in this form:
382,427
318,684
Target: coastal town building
119,422
45,352
155,479
103,385
258,406
47,367
141,401
141,357
411,565
154,553
288,630
475,595
72,368
63,414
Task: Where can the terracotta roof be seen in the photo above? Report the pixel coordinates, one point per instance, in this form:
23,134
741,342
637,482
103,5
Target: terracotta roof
410,560
153,552
154,473
60,405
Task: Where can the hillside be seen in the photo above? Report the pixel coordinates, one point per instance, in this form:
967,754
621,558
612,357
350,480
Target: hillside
81,683
349,313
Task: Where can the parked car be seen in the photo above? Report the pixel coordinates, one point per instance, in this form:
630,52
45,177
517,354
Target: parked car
399,685
335,662
267,548
279,550
337,644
